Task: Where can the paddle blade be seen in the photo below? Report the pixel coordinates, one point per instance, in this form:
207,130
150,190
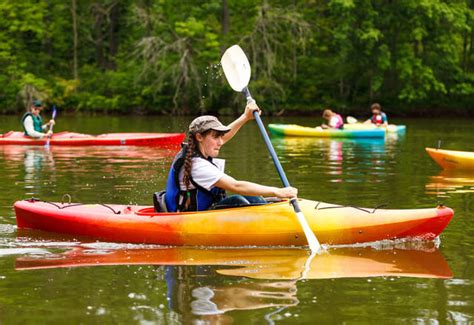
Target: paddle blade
313,242
236,68
351,120
54,112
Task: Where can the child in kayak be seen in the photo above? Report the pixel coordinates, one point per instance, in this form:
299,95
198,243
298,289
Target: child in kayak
197,181
378,118
335,120
33,123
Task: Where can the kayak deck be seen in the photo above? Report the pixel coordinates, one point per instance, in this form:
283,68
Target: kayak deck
109,139
263,225
304,131
391,128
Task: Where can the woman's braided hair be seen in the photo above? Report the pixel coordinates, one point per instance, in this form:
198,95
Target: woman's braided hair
188,162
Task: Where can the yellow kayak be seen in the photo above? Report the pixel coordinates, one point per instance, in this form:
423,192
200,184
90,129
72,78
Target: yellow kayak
451,159
294,130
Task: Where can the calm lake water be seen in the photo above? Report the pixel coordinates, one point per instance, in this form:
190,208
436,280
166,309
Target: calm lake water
46,278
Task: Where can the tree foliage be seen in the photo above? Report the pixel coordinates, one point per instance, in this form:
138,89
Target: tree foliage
162,56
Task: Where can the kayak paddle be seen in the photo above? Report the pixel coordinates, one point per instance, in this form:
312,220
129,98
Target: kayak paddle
51,127
351,120
236,68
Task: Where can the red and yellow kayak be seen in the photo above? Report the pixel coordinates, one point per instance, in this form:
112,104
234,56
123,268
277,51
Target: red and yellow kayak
109,139
259,225
258,263
451,159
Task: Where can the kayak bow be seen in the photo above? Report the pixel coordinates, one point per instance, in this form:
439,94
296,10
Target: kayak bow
451,159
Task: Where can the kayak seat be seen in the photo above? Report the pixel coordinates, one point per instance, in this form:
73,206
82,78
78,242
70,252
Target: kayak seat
159,201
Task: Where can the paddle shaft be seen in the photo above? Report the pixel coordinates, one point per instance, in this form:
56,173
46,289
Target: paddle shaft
270,148
51,127
312,240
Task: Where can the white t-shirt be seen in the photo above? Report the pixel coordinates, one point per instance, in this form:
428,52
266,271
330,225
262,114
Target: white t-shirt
204,173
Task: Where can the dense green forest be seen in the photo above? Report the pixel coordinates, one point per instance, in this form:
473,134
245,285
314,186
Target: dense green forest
145,56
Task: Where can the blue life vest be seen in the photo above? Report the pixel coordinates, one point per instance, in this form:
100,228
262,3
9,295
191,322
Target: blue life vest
37,122
197,199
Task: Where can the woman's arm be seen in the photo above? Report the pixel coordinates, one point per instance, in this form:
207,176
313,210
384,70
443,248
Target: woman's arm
244,118
248,188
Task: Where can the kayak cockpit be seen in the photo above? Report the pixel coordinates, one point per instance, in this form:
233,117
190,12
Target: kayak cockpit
151,211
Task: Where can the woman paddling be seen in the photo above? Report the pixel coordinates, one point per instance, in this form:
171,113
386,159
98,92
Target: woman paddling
197,181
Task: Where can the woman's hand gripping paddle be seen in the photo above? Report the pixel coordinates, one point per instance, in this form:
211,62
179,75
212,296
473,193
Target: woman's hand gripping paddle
51,127
237,71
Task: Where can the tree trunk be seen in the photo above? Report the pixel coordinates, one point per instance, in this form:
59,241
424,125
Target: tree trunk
371,90
225,21
341,87
99,47
74,31
48,44
113,38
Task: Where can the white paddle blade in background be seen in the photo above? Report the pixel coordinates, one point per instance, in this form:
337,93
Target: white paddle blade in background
236,67
351,120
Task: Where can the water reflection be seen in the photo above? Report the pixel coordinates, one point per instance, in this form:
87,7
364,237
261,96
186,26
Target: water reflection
199,291
14,154
450,182
341,159
40,170
207,284
37,162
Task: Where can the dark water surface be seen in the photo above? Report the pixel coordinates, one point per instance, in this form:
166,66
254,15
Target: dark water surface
48,278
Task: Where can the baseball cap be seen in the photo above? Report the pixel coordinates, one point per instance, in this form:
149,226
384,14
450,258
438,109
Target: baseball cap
37,103
207,122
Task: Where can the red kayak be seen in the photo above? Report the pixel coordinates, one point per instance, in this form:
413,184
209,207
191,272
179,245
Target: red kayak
109,139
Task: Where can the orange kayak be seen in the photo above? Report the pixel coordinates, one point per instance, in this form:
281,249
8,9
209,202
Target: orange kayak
259,225
110,139
451,159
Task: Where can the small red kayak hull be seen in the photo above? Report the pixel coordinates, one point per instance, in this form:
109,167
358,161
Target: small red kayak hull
109,139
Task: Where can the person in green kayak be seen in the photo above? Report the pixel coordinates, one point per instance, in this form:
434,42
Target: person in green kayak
33,123
197,181
335,120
